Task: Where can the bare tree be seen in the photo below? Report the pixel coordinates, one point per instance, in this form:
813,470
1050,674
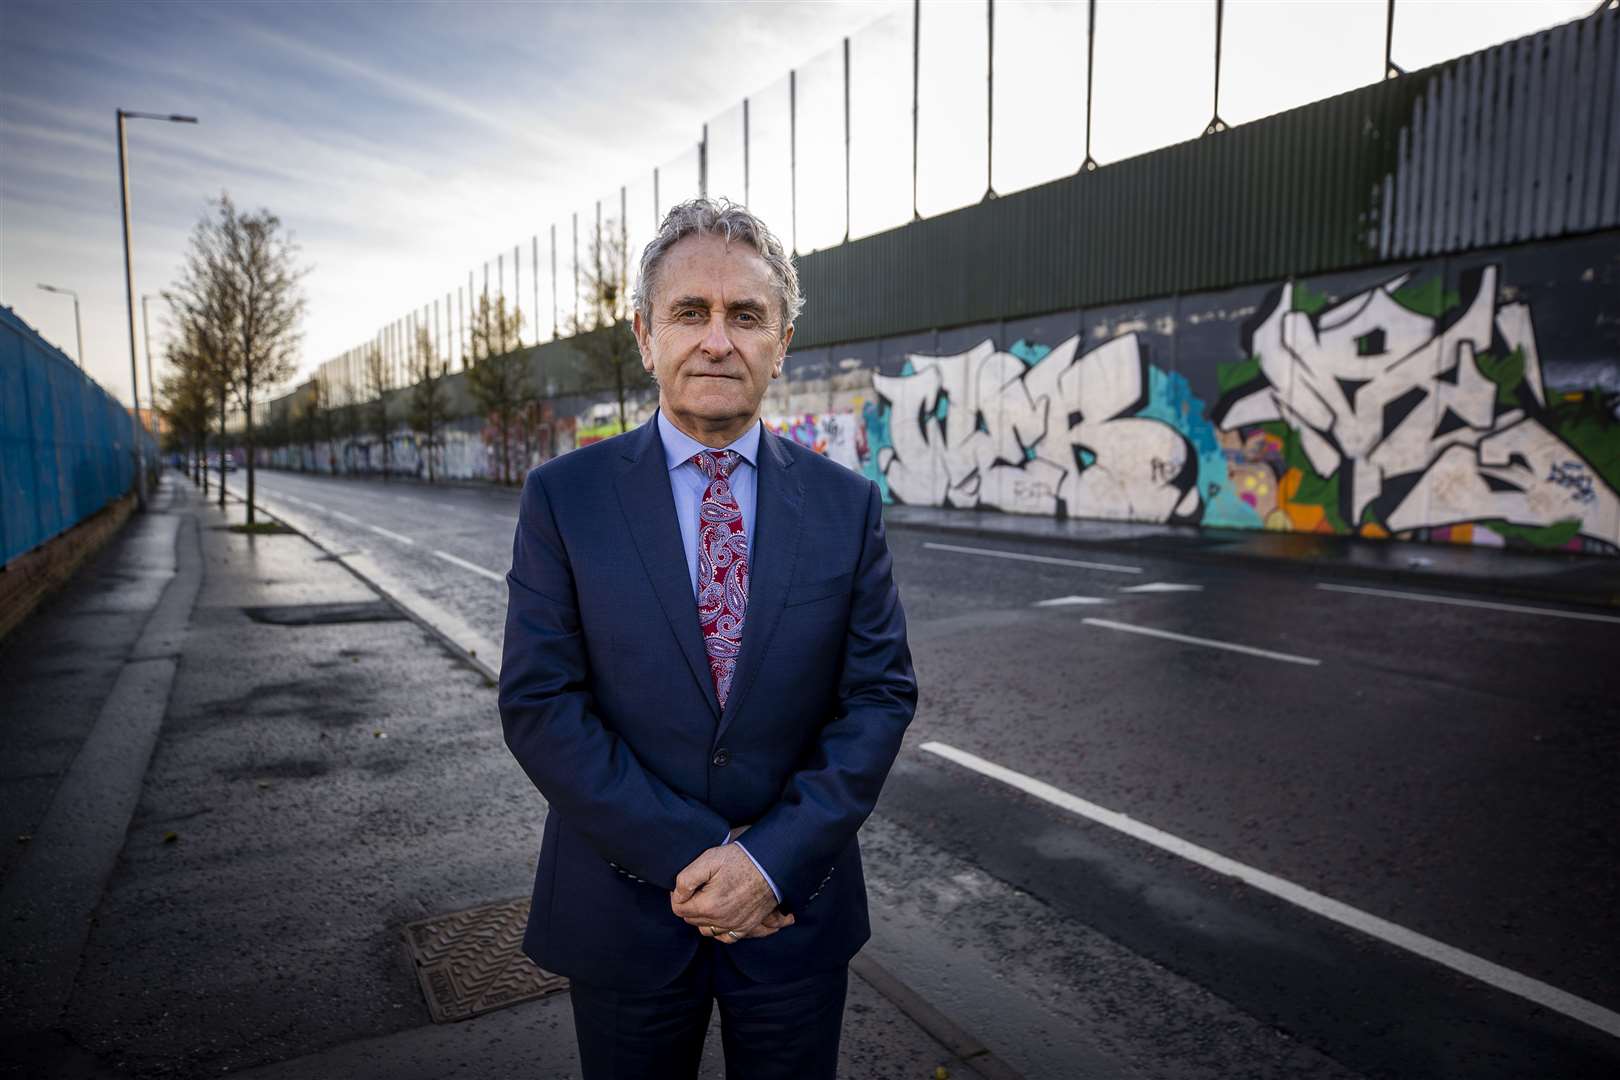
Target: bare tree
200,304
428,406
349,416
603,330
185,402
499,377
379,381
242,279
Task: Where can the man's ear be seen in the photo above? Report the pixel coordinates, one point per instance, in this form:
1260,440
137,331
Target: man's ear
781,355
643,343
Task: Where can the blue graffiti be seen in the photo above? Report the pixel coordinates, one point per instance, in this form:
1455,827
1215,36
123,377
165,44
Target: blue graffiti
1171,400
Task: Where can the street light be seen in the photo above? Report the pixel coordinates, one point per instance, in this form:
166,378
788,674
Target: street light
129,290
78,330
151,387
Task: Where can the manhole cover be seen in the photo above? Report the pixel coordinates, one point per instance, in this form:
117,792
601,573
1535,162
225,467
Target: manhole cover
472,962
321,614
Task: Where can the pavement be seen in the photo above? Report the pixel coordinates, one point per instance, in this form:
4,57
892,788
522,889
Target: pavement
223,822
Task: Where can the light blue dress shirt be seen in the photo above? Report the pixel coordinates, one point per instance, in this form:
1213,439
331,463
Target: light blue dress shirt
686,484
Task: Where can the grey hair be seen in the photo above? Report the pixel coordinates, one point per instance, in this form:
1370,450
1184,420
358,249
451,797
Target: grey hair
723,218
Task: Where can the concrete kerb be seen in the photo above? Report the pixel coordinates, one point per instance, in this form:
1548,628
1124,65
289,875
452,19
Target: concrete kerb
967,1052
1217,554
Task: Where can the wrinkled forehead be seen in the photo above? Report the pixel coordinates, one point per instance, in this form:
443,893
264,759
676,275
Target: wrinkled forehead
711,268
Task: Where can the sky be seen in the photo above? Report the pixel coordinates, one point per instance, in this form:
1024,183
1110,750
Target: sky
404,145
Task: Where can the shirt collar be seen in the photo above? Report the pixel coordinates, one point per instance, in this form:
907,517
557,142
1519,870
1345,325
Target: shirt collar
679,447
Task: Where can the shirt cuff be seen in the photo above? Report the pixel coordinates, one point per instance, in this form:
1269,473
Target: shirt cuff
762,873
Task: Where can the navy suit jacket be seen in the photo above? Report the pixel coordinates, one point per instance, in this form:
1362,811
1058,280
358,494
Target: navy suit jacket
607,703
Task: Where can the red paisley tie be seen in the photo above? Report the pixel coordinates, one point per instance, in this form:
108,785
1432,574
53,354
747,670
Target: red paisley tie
722,577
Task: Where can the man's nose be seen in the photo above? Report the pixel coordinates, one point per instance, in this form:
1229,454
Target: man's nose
717,342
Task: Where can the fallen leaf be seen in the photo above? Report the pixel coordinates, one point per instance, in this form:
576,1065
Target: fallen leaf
263,784
23,838
170,837
941,1073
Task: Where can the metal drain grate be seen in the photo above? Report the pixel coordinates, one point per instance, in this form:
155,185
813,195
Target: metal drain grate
472,962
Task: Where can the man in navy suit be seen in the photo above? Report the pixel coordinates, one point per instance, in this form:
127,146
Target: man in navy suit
706,674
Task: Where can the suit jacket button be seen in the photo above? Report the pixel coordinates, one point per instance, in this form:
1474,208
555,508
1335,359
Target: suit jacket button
722,757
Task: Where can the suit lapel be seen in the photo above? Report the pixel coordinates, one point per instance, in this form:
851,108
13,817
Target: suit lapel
779,505
649,514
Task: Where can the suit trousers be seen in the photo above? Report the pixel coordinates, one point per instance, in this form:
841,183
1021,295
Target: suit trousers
769,1031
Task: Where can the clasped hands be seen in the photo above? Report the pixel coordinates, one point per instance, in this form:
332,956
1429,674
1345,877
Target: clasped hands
723,894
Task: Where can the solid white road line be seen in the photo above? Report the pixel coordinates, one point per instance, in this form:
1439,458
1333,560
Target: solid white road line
380,531
1457,601
465,565
316,506
346,517
1163,586
1051,560
1066,601
1475,967
1188,639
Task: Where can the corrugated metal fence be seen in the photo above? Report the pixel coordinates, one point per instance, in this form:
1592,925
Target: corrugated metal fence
64,441
1515,143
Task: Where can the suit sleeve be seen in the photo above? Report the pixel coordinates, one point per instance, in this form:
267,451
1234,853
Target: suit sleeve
586,772
823,805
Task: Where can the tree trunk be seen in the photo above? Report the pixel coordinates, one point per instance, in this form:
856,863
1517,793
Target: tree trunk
222,448
618,383
248,413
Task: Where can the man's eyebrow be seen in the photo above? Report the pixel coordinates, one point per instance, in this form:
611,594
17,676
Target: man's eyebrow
688,301
748,304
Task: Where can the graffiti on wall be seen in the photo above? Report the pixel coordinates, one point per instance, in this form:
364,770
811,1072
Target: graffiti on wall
1039,431
1405,408
1402,410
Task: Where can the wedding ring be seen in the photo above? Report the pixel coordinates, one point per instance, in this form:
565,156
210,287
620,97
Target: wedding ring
715,931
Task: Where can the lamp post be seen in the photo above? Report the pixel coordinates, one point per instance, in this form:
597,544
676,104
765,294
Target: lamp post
151,387
78,329
129,291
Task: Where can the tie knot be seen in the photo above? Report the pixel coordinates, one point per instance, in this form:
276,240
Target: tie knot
716,462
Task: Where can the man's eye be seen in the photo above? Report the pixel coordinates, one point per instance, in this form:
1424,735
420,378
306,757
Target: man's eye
689,314
747,316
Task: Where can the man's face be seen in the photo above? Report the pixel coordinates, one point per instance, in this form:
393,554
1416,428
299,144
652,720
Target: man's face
716,339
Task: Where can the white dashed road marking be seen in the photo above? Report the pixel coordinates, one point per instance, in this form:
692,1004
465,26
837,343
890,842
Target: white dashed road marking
1188,639
1050,560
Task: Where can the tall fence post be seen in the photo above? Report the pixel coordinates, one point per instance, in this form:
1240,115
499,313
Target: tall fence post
916,75
990,100
1090,163
1391,70
746,176
703,164
846,141
1216,124
793,160
554,327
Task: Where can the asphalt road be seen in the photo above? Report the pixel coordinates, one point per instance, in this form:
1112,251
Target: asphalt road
1441,776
